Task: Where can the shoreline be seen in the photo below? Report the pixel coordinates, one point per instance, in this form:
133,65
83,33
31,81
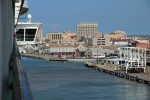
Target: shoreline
38,56
137,77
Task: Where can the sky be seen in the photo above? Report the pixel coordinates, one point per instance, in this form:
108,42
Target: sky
131,16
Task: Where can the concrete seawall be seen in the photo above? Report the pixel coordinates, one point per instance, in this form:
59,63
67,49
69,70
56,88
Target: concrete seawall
138,77
38,56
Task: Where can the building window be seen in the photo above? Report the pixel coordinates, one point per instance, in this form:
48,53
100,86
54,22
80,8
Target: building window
52,37
30,34
20,34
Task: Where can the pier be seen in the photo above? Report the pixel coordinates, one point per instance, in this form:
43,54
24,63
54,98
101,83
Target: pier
58,59
138,77
36,56
44,57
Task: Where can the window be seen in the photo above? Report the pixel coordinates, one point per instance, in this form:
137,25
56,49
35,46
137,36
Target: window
20,34
30,34
52,36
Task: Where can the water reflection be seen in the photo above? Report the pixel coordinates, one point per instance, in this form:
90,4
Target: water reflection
73,81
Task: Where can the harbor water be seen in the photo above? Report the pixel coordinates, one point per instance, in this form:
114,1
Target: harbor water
50,80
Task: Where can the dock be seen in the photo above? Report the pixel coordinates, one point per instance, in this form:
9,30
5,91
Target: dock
44,57
36,56
137,77
57,59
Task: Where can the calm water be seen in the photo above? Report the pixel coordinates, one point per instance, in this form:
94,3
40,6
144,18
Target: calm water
73,81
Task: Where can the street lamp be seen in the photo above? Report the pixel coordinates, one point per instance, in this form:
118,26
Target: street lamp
97,53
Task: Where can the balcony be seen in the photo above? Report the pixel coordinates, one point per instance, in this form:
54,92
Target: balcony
21,7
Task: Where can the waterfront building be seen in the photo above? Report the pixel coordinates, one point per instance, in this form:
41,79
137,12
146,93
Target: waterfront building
88,41
77,50
141,45
140,42
96,52
120,42
57,50
131,59
81,51
141,39
88,30
110,49
28,32
134,58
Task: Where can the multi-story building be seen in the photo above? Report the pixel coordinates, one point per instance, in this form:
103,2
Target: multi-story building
101,41
65,37
55,37
69,37
67,50
120,42
88,30
141,45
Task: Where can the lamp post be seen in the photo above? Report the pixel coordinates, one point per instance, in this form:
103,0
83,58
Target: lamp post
66,51
97,54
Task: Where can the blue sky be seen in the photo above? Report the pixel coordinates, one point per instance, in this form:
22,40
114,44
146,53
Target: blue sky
131,16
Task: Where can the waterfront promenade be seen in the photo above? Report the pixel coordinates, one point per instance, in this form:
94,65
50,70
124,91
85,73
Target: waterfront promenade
138,77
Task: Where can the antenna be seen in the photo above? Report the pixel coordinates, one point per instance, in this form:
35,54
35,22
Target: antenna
54,27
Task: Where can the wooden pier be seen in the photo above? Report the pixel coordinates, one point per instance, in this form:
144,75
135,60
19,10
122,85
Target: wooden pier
138,77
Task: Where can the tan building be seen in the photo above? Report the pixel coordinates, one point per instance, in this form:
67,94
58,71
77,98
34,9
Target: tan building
86,30
39,35
65,37
67,50
101,41
99,35
68,37
116,34
55,38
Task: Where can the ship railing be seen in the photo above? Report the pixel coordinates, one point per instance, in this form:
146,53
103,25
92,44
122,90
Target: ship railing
18,82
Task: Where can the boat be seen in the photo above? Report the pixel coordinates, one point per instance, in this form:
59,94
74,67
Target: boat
27,33
82,59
